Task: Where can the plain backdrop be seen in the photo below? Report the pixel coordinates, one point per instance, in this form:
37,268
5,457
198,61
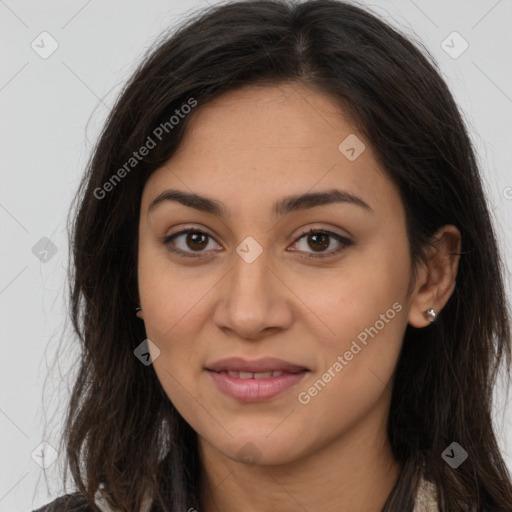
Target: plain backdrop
51,111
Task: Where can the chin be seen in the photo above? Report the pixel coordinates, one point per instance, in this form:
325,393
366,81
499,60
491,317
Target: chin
260,451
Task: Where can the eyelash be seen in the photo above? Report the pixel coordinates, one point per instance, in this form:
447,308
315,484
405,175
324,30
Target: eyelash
166,241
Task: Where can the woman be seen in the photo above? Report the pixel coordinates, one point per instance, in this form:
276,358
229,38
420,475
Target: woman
286,281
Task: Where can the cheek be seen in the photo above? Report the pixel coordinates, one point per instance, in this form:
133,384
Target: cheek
166,294
345,301
174,315
363,321
357,368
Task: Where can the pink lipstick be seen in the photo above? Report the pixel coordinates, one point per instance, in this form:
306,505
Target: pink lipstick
255,381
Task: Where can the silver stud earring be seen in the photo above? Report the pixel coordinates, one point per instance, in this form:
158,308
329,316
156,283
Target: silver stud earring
430,314
137,309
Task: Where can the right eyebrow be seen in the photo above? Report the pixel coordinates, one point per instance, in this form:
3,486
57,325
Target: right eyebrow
191,200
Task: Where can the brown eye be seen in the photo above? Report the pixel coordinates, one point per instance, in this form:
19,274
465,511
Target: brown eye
319,241
194,241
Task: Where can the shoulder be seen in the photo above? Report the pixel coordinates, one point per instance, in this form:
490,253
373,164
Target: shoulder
74,502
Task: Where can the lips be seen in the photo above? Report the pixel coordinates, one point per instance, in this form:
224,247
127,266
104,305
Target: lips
258,389
261,368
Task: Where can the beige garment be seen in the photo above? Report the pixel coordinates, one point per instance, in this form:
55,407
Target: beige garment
425,500
102,504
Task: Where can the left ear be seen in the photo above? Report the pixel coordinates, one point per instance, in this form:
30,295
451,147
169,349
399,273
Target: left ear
436,280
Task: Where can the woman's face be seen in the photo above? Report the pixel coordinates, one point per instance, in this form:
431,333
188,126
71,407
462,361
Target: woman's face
251,282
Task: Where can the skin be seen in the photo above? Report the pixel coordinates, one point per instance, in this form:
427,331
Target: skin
247,149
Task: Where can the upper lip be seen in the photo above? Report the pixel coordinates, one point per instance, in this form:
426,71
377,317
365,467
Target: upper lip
264,364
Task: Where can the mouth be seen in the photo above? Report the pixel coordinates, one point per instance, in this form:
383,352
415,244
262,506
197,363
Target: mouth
255,381
254,375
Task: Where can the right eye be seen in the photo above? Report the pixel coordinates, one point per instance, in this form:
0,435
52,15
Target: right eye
194,239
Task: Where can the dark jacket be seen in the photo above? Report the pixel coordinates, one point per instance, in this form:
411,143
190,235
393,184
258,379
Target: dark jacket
75,502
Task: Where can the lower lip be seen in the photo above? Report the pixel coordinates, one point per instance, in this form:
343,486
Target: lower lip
255,390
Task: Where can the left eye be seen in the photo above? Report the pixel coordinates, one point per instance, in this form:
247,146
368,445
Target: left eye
198,240
321,240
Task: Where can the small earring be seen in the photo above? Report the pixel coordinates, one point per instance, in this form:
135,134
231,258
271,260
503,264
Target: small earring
137,309
430,314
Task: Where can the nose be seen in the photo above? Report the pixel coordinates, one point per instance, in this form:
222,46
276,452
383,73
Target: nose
254,299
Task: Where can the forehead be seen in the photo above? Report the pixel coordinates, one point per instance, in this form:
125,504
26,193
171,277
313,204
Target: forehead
266,141
277,116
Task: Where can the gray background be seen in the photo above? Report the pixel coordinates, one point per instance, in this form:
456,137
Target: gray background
51,111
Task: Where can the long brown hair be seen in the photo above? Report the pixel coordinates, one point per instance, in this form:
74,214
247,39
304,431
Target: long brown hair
122,431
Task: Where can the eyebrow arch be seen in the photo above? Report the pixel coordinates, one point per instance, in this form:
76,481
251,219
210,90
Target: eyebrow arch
283,206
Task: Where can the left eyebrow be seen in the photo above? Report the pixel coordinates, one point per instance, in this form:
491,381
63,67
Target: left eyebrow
281,207
311,200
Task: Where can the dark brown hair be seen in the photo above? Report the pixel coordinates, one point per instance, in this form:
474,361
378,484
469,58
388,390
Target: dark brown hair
121,429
